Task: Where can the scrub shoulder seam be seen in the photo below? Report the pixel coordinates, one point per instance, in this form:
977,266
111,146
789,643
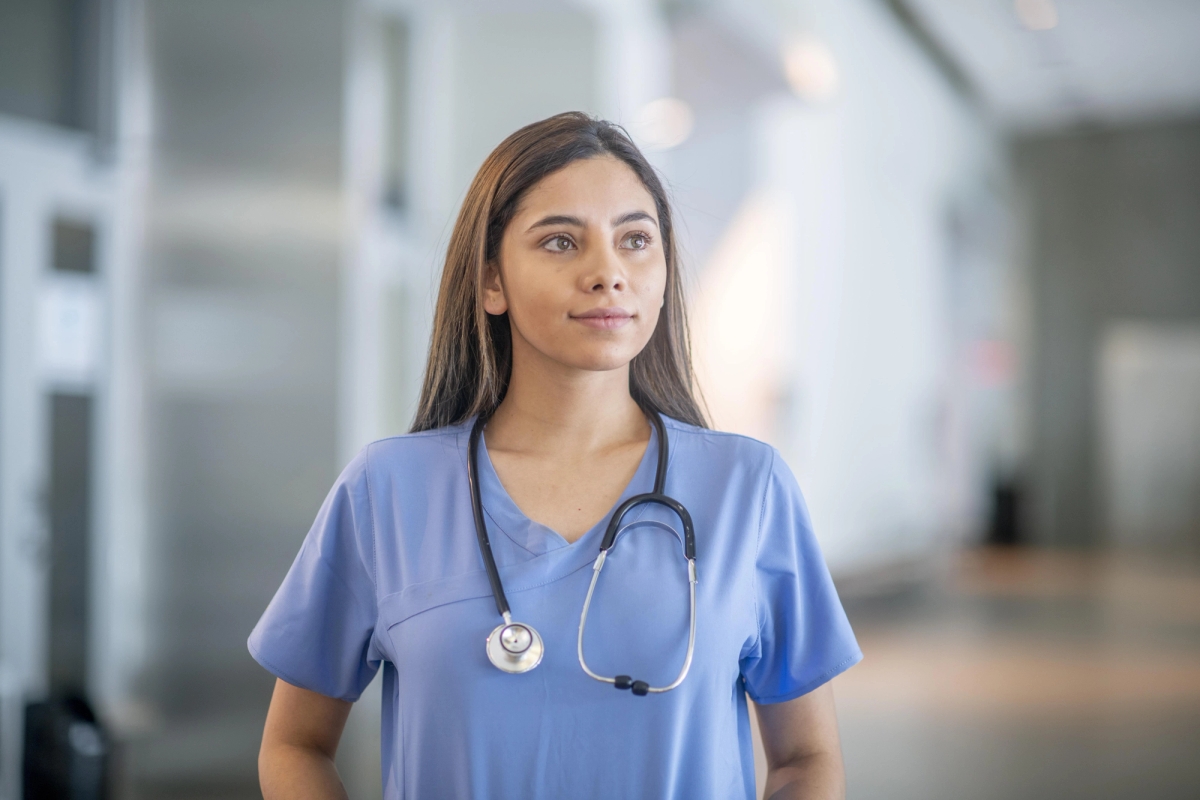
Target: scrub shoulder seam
762,515
815,683
371,521
695,430
447,430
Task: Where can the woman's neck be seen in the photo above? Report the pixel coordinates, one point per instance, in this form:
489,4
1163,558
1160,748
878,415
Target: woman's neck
546,410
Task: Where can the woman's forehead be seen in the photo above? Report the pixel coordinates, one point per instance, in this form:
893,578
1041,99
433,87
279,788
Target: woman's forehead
593,189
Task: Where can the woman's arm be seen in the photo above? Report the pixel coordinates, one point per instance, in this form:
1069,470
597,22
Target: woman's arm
299,742
804,755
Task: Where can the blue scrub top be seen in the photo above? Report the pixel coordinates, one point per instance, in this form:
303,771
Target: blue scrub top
390,574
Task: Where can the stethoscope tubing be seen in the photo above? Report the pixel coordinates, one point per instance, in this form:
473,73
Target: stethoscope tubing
485,544
656,497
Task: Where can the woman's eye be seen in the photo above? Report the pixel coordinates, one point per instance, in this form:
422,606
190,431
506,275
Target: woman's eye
559,244
637,241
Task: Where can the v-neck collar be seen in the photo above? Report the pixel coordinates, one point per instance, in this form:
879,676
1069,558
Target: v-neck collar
506,516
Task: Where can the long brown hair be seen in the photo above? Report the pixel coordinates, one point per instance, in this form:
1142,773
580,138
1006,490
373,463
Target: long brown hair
470,354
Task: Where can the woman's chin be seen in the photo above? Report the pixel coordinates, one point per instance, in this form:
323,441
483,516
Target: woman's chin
598,361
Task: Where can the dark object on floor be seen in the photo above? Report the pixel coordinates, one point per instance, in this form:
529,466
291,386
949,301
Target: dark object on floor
1005,525
66,751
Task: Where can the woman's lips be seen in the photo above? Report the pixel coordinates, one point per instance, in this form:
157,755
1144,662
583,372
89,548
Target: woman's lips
604,318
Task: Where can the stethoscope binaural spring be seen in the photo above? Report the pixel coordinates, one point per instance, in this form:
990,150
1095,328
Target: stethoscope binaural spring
515,646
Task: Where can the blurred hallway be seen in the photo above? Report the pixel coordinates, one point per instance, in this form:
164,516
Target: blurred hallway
942,254
1030,674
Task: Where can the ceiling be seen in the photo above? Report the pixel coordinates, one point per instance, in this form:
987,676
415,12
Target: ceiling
1103,62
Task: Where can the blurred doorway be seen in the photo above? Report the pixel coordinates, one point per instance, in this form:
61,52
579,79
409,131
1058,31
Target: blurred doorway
1149,431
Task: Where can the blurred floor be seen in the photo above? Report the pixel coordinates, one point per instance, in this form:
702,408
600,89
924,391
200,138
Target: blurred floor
1015,674
1026,674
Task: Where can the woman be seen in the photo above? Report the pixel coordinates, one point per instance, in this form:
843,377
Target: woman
559,347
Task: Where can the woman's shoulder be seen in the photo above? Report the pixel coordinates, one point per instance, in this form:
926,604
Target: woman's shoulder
734,448
410,455
724,458
430,445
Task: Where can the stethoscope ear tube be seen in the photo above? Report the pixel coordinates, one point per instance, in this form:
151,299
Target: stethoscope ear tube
639,688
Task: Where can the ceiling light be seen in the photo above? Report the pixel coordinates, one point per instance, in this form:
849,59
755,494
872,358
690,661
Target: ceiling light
1037,15
811,69
664,123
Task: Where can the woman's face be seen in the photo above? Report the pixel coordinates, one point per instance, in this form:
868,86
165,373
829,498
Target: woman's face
582,272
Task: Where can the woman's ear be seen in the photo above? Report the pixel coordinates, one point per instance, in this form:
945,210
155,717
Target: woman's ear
494,301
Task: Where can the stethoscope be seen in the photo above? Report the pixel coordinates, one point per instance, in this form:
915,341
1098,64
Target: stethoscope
515,646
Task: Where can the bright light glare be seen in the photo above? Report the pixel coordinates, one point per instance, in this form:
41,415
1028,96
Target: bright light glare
811,69
1037,15
739,317
664,123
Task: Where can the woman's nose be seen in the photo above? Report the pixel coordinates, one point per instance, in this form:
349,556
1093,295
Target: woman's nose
605,273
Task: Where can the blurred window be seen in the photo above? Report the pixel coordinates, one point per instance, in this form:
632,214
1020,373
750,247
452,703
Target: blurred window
50,61
74,246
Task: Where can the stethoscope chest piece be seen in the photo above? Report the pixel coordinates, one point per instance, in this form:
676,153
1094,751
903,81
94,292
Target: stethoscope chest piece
514,647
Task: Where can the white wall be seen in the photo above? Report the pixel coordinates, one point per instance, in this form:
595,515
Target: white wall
844,350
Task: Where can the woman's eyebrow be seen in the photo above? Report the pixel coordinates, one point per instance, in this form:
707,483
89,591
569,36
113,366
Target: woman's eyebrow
566,219
634,216
556,219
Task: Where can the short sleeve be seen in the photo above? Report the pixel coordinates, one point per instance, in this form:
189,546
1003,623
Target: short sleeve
317,632
804,638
